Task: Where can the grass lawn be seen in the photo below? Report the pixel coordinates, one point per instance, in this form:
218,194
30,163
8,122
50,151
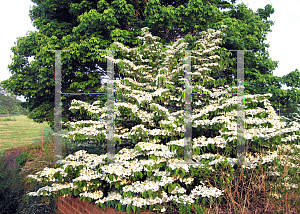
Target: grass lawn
20,135
18,131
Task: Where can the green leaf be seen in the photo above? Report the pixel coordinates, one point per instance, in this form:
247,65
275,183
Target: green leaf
134,208
203,201
128,209
76,192
102,206
166,186
139,149
140,174
154,195
181,174
158,207
278,139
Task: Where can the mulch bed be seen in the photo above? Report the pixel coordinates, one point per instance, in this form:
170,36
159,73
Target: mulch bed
11,154
10,159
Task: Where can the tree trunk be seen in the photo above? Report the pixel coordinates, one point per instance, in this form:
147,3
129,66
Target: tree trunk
7,110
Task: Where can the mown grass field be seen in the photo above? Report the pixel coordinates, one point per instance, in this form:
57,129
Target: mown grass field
20,135
18,131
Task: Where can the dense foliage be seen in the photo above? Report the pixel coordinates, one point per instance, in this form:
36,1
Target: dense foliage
152,173
86,27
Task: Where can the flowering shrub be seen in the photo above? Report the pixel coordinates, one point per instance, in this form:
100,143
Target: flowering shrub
151,175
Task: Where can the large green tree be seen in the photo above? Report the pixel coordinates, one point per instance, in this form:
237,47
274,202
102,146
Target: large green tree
247,31
87,27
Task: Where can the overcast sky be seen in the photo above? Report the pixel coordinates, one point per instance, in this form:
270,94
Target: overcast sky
284,38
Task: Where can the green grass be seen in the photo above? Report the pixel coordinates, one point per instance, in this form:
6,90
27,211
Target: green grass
18,131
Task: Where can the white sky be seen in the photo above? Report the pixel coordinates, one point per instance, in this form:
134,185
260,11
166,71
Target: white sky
284,40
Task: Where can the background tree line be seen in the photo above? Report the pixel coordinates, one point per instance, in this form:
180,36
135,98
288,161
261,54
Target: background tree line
9,104
85,27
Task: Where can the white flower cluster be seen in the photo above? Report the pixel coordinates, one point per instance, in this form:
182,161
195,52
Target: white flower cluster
81,158
87,175
200,190
55,187
179,166
204,156
47,173
131,162
92,108
178,190
139,187
250,162
152,148
186,180
126,154
94,195
112,196
249,134
206,192
140,202
273,173
289,186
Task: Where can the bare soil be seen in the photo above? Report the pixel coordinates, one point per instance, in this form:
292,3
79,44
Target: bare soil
11,154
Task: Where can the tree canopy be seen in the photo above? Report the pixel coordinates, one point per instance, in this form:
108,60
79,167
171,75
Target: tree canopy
85,28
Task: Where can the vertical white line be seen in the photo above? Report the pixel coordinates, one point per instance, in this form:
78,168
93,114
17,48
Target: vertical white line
188,112
240,107
57,109
110,108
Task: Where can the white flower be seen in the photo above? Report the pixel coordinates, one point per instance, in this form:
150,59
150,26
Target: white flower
94,195
155,127
178,190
